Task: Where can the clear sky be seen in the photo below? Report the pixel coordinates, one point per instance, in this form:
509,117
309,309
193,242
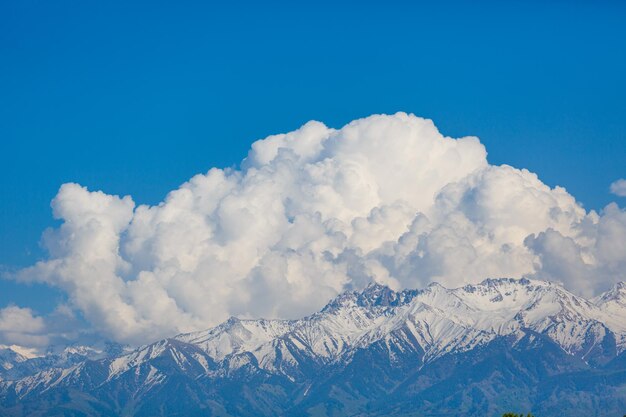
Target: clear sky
137,97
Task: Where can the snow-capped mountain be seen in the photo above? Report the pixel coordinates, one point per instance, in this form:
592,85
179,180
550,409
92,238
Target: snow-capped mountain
9,358
438,319
15,363
476,349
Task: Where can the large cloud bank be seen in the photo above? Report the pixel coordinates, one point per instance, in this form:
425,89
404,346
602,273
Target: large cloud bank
314,212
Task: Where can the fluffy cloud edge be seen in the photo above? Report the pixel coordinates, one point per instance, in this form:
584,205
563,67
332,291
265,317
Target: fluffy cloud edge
315,211
618,187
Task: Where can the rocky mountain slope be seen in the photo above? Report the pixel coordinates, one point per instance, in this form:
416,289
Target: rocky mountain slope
480,349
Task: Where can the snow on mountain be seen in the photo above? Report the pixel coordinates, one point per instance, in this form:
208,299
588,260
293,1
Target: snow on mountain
612,305
615,297
236,336
9,357
440,320
17,363
504,306
422,324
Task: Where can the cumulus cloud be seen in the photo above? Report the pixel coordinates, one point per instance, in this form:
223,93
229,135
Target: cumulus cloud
25,331
619,187
19,326
314,212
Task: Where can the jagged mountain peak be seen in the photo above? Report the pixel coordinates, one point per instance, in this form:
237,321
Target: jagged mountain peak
492,308
508,284
390,336
381,295
374,295
9,357
616,294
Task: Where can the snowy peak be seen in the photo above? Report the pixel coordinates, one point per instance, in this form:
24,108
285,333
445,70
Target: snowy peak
381,295
435,320
371,339
616,295
534,300
612,305
505,306
236,336
9,358
374,295
171,353
504,293
422,325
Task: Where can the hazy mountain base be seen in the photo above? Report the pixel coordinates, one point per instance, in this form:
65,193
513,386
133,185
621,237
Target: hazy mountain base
532,373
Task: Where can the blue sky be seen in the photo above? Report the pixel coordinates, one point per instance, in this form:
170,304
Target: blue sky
136,97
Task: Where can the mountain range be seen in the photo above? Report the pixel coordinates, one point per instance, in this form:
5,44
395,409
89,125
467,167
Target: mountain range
479,350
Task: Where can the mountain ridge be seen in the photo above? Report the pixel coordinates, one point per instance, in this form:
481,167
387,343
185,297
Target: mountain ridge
389,340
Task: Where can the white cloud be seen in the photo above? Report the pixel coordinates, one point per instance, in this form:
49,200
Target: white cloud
19,326
311,213
618,187
26,332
